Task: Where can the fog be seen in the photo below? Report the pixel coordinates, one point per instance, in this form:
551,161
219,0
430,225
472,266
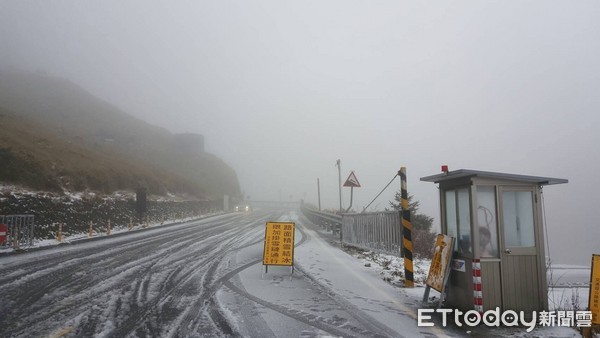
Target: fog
281,90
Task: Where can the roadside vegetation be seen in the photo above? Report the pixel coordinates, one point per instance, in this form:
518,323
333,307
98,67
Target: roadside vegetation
423,238
76,212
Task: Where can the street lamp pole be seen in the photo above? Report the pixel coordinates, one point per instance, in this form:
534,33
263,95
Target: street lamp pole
338,163
319,192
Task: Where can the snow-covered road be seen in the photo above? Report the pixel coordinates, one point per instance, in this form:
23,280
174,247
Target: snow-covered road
201,278
155,283
307,305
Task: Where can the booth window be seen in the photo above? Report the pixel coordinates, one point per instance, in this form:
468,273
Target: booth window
518,219
451,224
486,220
464,221
458,219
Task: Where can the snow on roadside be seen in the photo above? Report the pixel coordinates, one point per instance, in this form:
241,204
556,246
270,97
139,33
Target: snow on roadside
43,243
571,294
571,291
391,268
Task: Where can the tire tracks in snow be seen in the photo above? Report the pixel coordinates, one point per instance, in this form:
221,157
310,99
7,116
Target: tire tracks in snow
40,306
328,325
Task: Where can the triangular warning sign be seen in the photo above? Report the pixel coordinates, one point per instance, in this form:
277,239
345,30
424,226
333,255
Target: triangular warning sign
352,181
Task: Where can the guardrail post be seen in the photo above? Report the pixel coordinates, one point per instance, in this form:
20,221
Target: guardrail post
407,232
130,225
59,236
108,228
341,233
90,231
15,238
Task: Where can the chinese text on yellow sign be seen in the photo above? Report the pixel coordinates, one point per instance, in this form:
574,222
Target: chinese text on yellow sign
440,262
279,244
595,289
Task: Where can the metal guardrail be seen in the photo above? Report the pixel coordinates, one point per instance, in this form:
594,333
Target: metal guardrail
273,204
328,220
20,229
376,231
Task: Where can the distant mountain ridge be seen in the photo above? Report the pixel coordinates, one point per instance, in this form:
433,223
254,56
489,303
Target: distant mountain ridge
55,136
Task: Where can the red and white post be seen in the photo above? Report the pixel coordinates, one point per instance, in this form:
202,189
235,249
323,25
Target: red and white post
477,293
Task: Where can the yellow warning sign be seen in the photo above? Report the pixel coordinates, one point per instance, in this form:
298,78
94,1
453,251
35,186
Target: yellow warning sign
595,290
440,264
279,244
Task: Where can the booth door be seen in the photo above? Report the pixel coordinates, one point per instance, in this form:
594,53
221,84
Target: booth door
519,270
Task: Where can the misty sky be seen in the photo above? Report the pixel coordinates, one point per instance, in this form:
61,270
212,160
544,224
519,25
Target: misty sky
282,89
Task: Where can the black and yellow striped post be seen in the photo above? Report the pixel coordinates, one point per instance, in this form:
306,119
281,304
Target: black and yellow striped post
409,279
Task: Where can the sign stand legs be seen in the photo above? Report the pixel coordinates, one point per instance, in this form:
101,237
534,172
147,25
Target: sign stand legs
426,297
426,294
442,298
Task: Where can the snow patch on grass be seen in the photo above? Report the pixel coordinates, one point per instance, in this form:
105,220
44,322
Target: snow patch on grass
391,268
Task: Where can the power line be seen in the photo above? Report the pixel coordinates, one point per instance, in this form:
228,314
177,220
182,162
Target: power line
393,178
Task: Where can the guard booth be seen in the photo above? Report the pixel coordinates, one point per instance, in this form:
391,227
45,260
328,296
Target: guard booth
497,221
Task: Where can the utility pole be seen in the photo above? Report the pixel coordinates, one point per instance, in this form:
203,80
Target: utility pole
338,163
319,192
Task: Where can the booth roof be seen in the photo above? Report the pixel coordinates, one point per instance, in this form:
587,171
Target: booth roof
467,173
